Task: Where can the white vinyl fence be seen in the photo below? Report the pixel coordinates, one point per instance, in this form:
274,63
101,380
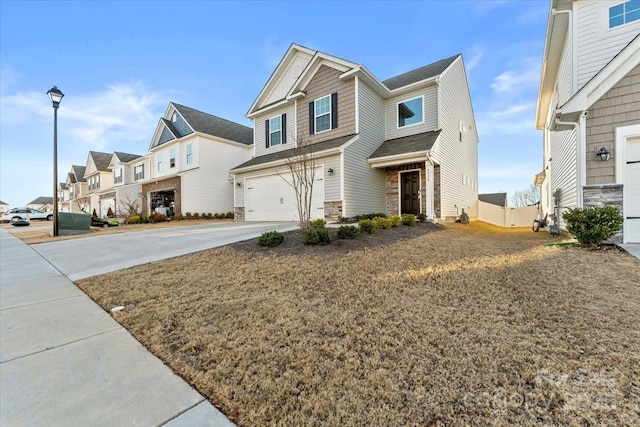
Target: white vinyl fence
506,217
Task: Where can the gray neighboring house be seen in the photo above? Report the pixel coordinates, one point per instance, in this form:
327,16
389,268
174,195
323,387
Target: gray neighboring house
99,183
589,109
407,144
43,203
3,207
498,199
76,186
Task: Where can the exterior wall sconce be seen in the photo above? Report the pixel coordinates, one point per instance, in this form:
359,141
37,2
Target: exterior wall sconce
602,154
238,184
330,171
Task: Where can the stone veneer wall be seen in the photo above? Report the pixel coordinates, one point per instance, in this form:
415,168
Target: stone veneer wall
238,214
392,188
604,195
333,210
164,185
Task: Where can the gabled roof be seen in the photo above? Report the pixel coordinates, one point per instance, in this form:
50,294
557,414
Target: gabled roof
285,154
498,199
420,74
348,69
418,143
78,173
126,157
100,160
215,126
42,200
3,203
63,185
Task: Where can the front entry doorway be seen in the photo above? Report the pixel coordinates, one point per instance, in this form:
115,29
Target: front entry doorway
410,192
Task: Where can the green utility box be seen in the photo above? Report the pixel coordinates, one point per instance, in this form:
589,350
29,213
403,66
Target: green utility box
73,223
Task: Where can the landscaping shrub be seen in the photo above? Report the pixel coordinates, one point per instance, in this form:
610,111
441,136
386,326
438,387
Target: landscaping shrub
396,220
370,216
209,215
109,212
593,225
158,217
178,217
409,219
230,215
318,223
134,219
367,226
187,215
344,220
384,223
270,239
217,215
421,218
347,232
316,236
196,215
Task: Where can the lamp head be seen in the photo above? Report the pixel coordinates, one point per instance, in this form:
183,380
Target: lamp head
55,95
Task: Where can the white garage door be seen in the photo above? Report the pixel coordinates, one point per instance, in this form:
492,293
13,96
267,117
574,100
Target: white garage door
631,198
271,198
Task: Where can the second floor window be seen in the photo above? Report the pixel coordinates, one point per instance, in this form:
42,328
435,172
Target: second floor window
189,154
624,13
159,160
138,172
410,112
172,158
323,114
117,176
276,130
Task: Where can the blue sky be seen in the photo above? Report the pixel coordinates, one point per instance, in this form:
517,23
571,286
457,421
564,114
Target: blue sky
119,64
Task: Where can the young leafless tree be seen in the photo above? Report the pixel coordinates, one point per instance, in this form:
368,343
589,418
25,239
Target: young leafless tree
527,197
300,173
83,203
130,207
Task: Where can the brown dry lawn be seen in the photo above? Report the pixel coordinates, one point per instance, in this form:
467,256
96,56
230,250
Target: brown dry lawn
457,325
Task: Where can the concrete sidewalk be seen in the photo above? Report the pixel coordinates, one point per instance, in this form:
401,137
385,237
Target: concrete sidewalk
65,362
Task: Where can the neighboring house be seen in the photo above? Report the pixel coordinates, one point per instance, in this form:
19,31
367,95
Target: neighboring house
3,207
42,203
63,197
497,199
404,145
128,172
589,109
100,183
77,189
191,154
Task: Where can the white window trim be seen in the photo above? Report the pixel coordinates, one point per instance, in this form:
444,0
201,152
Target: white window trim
608,9
272,132
603,19
316,116
188,150
135,172
398,112
159,161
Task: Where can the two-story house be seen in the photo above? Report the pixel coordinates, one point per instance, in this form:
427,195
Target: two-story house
126,182
407,144
191,154
77,200
589,109
99,183
63,197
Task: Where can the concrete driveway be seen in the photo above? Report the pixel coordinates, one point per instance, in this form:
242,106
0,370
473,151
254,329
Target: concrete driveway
85,257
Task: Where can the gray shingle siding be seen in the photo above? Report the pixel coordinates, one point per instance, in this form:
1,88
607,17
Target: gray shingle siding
181,125
165,136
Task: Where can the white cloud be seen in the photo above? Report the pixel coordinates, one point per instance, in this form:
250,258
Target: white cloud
476,55
521,77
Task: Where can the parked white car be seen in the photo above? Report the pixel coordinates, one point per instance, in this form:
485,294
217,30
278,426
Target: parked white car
23,213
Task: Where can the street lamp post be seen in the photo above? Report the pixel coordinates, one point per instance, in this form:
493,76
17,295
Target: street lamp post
55,95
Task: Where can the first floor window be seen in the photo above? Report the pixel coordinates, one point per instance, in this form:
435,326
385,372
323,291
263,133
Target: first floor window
410,112
624,13
189,152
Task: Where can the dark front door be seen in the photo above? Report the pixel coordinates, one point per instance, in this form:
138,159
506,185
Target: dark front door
410,193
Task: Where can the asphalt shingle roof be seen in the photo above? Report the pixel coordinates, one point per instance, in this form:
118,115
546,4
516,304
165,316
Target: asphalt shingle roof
281,155
78,172
126,157
215,126
498,199
419,74
101,160
42,200
407,144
